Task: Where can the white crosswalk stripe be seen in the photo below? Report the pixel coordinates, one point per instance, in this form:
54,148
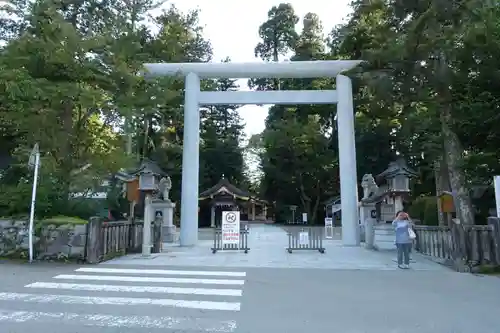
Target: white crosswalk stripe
142,322
206,305
146,279
136,289
217,292
158,272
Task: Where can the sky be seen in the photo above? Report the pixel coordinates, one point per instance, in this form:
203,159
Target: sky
233,29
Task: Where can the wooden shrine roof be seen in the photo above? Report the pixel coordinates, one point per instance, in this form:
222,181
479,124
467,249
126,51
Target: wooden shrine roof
224,186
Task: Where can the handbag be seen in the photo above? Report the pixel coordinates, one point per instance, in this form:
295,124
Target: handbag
412,233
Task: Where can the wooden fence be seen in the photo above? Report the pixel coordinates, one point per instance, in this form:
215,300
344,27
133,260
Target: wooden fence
463,247
106,240
121,237
434,241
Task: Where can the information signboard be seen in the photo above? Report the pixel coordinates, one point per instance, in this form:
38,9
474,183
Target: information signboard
231,227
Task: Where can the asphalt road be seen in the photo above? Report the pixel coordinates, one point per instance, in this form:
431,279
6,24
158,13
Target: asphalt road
110,298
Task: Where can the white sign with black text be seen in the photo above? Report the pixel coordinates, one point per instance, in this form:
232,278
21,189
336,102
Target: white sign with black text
230,228
328,228
303,238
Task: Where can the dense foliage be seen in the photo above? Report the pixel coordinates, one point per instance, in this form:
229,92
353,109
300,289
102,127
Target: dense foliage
428,91
68,80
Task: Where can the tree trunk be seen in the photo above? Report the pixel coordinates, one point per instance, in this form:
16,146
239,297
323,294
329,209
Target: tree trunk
453,150
314,215
442,180
453,154
306,204
146,137
129,130
305,199
67,153
276,59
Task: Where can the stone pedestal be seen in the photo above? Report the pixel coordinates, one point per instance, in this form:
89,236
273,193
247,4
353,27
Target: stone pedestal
384,237
169,230
169,234
398,204
366,222
370,232
149,216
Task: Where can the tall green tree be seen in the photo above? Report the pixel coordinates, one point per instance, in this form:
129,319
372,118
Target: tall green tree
299,162
69,76
221,136
423,61
159,128
279,36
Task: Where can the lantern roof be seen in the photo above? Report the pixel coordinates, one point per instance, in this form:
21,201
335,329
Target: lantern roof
398,168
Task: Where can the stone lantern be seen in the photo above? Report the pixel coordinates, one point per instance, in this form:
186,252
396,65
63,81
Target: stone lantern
145,179
148,181
397,176
166,207
149,174
381,202
399,182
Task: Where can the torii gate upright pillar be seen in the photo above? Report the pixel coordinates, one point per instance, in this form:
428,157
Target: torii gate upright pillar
190,161
347,163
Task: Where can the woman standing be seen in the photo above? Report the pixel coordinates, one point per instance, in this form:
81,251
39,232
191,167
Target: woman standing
402,226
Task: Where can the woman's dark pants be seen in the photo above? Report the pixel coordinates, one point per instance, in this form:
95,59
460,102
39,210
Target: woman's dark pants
403,253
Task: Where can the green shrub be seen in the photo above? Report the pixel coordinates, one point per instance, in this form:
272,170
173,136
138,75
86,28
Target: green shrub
15,200
417,208
85,208
431,212
60,219
50,201
424,209
489,269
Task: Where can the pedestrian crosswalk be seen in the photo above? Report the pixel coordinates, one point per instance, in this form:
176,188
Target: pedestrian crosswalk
128,298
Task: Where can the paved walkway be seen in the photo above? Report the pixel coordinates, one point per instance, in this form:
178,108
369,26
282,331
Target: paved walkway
267,249
191,290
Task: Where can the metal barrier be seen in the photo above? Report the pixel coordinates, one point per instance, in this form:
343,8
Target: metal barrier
329,232
295,223
242,246
306,239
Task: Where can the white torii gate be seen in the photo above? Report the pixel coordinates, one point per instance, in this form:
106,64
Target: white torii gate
194,98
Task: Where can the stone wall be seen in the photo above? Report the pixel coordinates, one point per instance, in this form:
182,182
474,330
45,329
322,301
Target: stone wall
61,241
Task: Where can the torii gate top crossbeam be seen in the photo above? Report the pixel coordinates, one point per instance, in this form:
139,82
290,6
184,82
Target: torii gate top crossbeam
229,70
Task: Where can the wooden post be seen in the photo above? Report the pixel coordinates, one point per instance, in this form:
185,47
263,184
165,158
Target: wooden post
157,235
461,255
495,223
94,244
212,216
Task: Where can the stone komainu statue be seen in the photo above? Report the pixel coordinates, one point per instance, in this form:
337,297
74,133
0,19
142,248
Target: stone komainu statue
369,185
164,187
